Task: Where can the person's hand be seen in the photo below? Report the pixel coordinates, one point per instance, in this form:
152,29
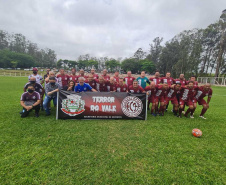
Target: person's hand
207,105
69,88
57,90
29,108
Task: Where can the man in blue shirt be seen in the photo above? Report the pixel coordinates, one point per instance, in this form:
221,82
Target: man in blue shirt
83,87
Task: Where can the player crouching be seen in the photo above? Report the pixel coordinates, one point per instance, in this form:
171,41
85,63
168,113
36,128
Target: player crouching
202,92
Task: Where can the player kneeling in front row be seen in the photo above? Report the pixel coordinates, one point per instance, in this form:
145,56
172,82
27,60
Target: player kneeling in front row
30,100
203,91
51,94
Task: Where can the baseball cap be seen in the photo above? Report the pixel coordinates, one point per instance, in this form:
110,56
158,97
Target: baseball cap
34,69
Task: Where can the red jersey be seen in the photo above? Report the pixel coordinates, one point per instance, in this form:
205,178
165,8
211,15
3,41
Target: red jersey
74,78
156,80
116,78
182,82
129,80
95,76
101,87
169,80
151,91
63,80
91,83
121,88
110,86
173,92
83,76
187,94
161,92
106,77
201,93
139,89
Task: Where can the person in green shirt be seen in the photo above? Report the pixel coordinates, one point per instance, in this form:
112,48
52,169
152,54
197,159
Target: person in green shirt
143,80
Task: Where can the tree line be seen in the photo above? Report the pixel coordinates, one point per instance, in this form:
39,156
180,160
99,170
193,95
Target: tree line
18,52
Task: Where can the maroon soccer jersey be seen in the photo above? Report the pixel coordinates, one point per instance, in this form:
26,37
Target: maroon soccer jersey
187,94
106,77
201,93
92,83
156,80
169,81
63,79
121,88
95,76
139,89
101,87
38,87
151,91
30,99
129,80
173,92
116,79
83,76
161,92
182,82
110,86
74,78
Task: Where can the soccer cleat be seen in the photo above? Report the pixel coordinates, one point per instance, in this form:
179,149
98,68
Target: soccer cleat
202,117
153,114
179,116
192,116
183,112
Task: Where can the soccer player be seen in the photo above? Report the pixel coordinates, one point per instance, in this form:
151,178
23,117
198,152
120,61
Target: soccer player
38,88
181,80
105,76
167,79
156,79
35,74
143,80
192,79
135,88
63,79
151,92
111,85
30,100
202,92
73,75
51,94
95,76
121,87
82,86
172,96
101,85
129,79
82,74
161,95
116,77
187,98
91,81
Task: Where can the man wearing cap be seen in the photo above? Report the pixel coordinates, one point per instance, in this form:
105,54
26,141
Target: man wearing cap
30,100
51,94
35,74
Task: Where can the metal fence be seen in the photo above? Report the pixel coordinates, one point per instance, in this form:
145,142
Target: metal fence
18,74
212,80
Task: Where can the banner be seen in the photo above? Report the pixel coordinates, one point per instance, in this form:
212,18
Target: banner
101,105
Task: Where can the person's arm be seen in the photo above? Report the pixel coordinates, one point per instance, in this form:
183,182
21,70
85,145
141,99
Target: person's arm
47,79
94,90
51,92
24,106
148,81
36,103
25,89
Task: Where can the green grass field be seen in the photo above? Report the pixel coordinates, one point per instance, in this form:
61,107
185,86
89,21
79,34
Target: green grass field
160,150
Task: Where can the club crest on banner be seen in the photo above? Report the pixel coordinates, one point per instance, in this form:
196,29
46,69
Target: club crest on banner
73,105
131,106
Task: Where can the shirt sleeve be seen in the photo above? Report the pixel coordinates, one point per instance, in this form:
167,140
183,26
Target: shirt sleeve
148,81
22,97
38,96
89,87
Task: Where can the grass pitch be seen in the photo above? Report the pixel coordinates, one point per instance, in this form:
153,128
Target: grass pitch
160,150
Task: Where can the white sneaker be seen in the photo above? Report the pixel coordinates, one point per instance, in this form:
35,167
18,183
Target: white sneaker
202,117
192,116
183,112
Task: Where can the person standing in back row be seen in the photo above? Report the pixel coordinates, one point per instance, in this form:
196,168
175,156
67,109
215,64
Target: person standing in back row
129,79
143,80
35,74
63,79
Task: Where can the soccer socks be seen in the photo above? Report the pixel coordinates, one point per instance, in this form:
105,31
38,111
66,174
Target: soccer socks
203,112
192,111
180,111
187,112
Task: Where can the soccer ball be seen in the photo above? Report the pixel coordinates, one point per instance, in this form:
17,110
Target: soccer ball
196,132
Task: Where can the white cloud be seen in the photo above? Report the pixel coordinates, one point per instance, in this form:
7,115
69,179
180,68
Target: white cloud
104,27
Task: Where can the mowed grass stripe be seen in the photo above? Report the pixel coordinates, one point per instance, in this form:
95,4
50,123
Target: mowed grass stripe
160,150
